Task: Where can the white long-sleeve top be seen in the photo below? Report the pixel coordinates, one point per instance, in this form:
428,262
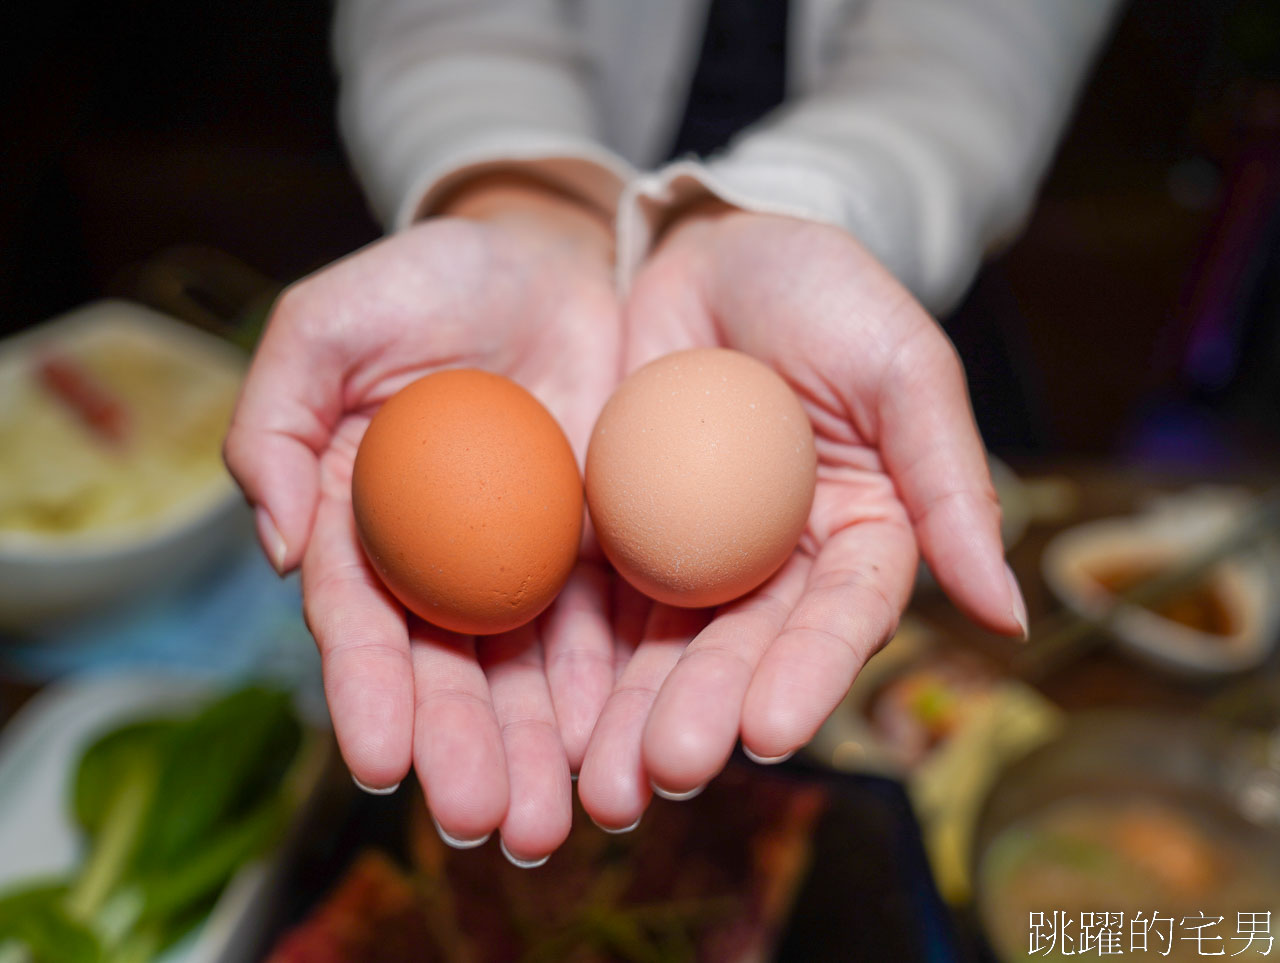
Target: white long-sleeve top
923,127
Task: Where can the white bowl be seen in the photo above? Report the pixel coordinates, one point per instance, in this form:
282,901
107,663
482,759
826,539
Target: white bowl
1174,531
47,577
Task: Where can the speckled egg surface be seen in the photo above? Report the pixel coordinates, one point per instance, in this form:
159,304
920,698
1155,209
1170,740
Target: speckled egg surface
468,501
700,476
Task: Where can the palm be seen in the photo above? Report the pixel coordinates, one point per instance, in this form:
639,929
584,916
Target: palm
491,725
899,465
455,293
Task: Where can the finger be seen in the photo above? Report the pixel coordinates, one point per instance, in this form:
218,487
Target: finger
457,743
284,418
856,590
631,612
364,650
575,390
932,450
540,808
664,313
613,785
695,719
578,649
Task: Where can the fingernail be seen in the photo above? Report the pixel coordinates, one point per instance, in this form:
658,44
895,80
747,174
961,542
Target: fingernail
271,539
676,796
767,760
618,831
520,863
1019,604
373,790
455,842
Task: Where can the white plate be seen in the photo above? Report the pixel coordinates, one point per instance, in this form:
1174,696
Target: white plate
39,751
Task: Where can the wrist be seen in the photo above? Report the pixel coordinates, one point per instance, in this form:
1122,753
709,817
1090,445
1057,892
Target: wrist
692,216
525,202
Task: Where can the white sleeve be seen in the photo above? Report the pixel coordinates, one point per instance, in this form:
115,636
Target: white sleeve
926,136
434,91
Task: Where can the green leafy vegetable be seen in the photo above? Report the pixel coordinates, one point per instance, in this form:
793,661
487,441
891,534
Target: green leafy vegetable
98,776
171,807
212,864
217,766
36,919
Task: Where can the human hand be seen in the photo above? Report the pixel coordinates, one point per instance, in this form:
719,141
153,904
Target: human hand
900,465
518,282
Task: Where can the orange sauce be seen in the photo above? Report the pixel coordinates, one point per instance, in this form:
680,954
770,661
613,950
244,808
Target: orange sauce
1199,606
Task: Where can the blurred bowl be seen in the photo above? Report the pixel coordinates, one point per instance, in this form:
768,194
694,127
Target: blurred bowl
1159,804
943,720
1015,502
1240,588
48,576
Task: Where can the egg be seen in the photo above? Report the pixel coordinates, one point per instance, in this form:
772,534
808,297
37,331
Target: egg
700,476
468,501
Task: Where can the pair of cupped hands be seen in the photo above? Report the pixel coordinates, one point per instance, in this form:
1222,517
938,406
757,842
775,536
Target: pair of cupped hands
632,696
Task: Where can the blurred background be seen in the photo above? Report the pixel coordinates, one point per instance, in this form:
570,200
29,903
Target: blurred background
1136,314
1124,362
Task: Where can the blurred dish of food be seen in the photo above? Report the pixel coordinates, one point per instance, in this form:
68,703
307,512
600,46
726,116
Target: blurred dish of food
918,709
713,879
1225,621
148,816
1252,709
912,701
944,721
1123,814
111,478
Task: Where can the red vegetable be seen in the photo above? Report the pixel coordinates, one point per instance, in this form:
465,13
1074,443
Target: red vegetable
74,386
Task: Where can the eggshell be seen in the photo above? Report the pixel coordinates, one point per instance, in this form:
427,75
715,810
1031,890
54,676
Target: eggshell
700,476
468,501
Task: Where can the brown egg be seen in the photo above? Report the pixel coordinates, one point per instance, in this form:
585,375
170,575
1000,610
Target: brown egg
700,476
468,501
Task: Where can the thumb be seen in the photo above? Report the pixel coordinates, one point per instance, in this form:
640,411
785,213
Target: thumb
282,422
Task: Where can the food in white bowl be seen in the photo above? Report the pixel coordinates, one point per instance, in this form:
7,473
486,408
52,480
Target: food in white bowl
111,478
1226,621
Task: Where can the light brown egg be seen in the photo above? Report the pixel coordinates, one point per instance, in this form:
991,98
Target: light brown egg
468,501
700,476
